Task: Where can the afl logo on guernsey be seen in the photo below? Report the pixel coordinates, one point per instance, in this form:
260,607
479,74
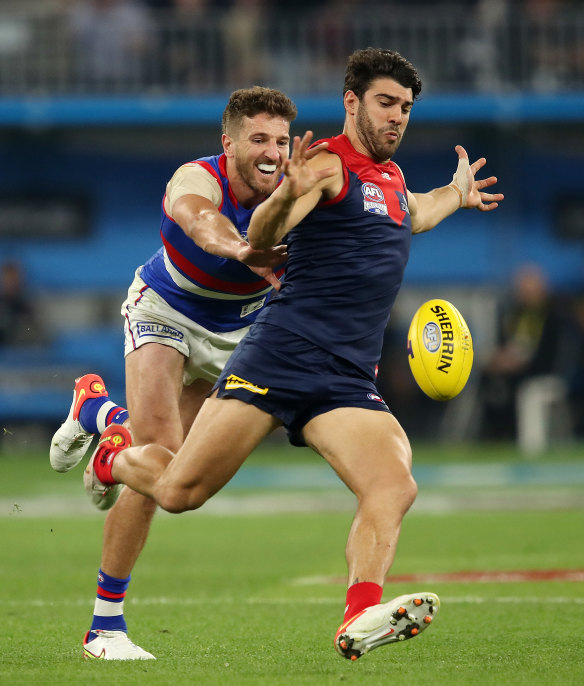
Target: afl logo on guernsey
373,199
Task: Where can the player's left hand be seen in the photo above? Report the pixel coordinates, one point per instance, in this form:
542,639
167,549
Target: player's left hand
471,189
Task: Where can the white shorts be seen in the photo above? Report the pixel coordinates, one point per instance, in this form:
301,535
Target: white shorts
148,318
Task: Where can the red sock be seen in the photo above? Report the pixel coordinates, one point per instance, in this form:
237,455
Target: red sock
362,595
102,466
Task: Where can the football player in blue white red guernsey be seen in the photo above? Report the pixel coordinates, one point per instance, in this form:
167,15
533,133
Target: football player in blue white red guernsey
186,310
308,363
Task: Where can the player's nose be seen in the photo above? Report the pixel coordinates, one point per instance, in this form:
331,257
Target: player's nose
272,151
395,113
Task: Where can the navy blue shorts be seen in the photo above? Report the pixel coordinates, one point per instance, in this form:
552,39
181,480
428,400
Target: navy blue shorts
292,379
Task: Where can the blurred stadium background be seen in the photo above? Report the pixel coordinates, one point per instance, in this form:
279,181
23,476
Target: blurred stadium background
100,101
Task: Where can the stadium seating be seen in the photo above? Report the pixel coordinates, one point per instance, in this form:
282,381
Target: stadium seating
115,143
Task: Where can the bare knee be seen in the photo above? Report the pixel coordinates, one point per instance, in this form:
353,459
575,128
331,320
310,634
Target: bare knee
394,482
396,488
408,492
402,477
176,499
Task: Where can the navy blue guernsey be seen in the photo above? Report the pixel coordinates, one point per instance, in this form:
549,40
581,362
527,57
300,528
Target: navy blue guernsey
346,262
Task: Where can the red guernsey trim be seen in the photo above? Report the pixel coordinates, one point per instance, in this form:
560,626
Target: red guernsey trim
223,168
343,191
212,282
212,171
112,596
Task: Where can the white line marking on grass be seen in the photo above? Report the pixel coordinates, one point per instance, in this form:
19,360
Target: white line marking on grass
460,577
450,600
428,502
513,600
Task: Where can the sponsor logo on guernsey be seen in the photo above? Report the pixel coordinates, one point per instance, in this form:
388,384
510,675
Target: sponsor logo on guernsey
403,202
385,175
373,199
232,382
374,396
251,307
158,330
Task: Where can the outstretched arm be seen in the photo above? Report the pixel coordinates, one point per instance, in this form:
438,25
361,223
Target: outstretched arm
214,232
464,191
307,173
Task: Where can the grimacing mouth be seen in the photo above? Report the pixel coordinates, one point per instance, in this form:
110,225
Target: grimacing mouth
267,168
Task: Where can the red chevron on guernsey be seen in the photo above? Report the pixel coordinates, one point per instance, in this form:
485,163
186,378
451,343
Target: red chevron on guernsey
219,294
213,282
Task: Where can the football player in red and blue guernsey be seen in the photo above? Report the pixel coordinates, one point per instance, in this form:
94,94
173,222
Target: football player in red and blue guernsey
186,310
309,361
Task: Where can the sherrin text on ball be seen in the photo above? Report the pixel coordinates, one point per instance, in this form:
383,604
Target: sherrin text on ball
440,350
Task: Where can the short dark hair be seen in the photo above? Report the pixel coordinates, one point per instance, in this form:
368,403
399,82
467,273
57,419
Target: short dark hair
364,66
247,102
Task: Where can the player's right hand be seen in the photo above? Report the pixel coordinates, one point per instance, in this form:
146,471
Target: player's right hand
262,262
300,177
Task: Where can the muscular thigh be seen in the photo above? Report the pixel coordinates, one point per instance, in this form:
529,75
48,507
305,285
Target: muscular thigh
365,447
224,433
154,387
191,401
171,365
162,409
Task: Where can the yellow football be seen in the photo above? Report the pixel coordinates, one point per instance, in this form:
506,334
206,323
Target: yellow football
440,349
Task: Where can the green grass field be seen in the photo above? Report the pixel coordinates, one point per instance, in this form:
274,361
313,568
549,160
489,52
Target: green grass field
241,596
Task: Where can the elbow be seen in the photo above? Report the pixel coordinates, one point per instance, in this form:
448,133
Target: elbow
419,227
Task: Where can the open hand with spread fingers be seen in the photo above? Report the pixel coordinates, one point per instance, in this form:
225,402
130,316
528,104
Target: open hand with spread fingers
301,177
470,189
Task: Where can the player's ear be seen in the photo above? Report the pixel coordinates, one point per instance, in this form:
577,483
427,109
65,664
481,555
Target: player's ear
351,102
227,142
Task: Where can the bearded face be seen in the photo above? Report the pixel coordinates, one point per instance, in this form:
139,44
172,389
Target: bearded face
381,141
381,116
261,174
258,150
